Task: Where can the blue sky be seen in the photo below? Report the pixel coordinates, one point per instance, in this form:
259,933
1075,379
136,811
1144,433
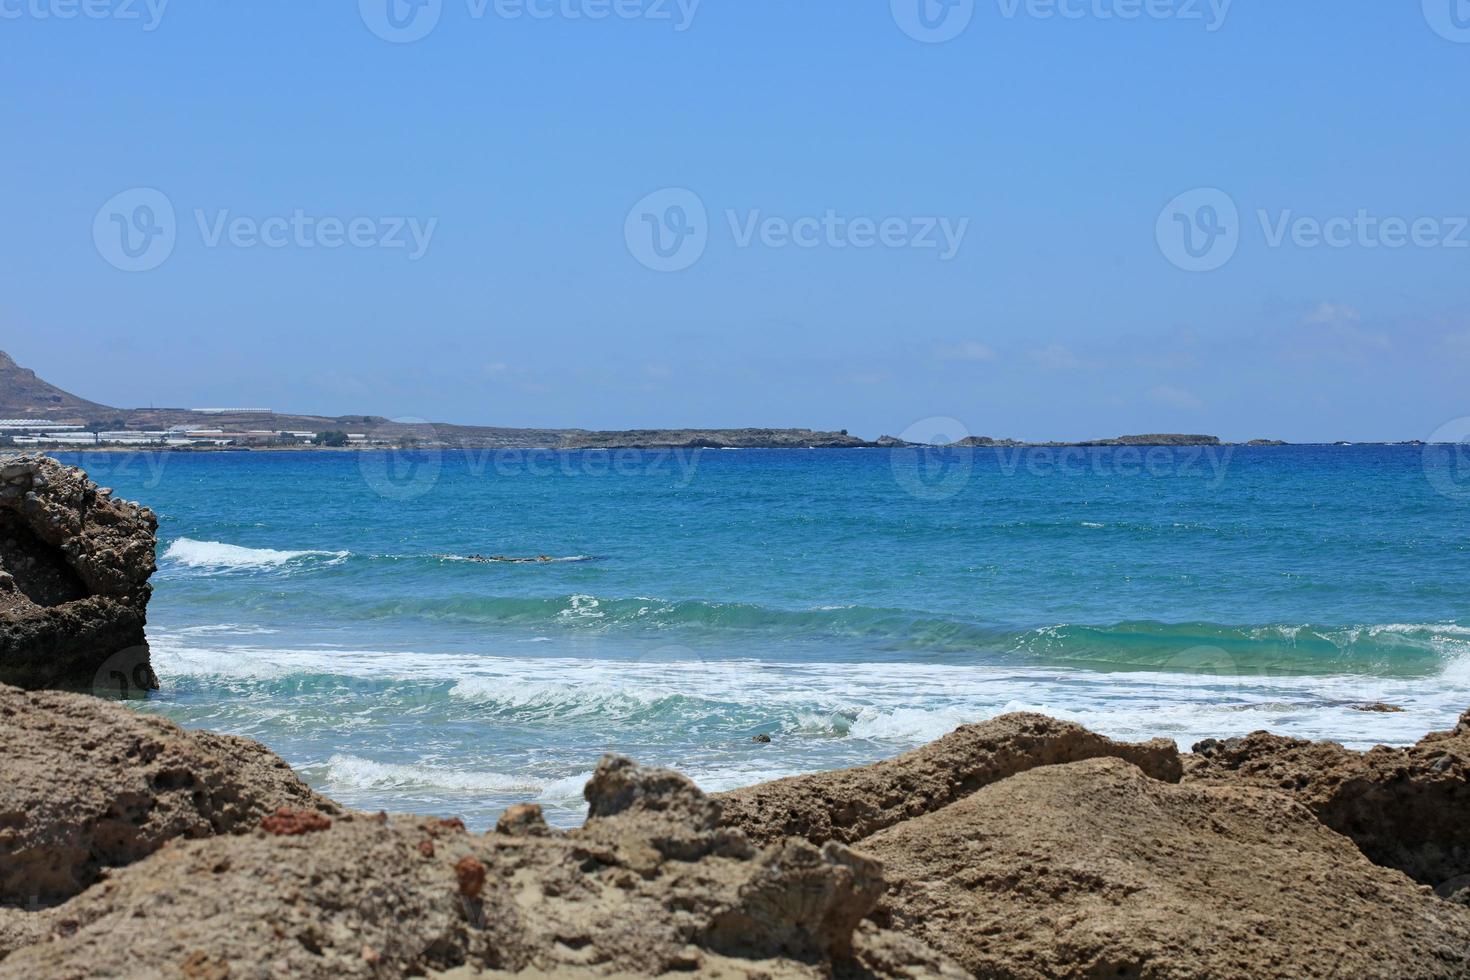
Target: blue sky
1050,146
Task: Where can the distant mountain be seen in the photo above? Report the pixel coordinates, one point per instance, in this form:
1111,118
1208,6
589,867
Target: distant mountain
25,396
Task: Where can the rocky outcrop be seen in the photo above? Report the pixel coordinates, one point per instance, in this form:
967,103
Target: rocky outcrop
368,896
89,785
1407,808
1022,847
850,804
1094,869
74,570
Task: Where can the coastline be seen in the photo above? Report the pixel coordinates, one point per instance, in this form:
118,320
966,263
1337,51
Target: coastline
1019,846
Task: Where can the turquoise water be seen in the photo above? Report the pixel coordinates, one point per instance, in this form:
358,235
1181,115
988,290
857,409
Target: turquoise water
851,604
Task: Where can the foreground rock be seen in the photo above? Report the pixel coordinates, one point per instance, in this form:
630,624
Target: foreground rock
1094,869
74,570
90,785
850,804
1407,808
650,885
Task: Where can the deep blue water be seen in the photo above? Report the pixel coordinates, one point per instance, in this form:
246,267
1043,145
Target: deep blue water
851,604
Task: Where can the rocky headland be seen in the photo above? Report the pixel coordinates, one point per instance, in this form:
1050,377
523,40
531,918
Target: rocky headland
74,570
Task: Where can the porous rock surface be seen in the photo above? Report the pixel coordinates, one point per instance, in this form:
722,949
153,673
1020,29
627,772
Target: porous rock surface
627,894
1407,808
1093,869
88,784
74,570
848,805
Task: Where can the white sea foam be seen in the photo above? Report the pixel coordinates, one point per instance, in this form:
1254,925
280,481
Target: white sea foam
219,557
353,772
886,706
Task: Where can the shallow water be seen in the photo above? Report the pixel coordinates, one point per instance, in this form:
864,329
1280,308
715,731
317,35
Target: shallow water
851,604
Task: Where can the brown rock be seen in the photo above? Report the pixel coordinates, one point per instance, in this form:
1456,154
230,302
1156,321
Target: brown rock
74,570
1407,808
523,820
849,804
576,904
90,785
1094,869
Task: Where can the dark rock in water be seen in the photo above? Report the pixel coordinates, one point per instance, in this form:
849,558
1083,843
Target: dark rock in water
762,738
74,570
1407,808
1378,706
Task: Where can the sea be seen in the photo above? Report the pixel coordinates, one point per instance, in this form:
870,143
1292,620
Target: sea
346,608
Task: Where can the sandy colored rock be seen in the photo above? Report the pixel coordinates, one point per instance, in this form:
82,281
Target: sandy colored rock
849,804
1407,808
74,570
1093,869
90,784
363,898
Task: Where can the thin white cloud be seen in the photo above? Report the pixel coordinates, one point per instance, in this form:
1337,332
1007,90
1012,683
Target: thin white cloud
969,350
1056,357
1181,398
